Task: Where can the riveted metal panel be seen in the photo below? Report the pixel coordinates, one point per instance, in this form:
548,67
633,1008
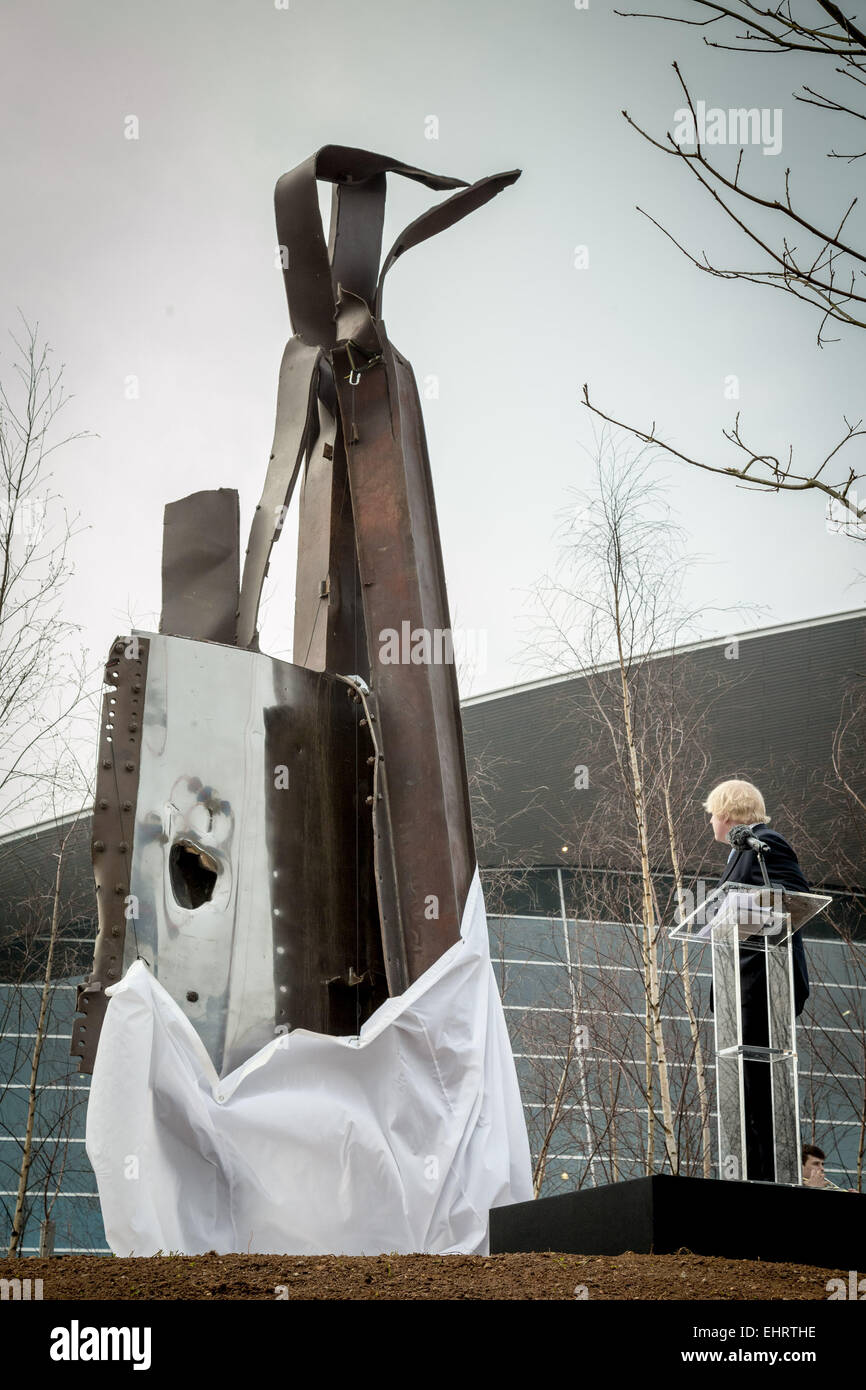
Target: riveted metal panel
117,780
251,898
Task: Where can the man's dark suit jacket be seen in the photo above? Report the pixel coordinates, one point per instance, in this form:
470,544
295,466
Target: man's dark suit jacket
783,871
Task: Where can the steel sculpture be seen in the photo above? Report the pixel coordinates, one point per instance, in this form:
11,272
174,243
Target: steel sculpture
288,843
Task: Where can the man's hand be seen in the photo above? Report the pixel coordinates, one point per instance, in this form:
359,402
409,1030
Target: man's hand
813,1172
815,1178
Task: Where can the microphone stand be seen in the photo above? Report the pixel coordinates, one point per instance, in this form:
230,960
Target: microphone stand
760,853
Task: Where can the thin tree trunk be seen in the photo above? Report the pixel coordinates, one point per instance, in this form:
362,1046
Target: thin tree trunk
700,1069
651,978
556,1111
614,1154
862,1144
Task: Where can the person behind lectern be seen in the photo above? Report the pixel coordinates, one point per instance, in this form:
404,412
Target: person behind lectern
737,803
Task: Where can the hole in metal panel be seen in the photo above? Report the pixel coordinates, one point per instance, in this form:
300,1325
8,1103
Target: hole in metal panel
193,874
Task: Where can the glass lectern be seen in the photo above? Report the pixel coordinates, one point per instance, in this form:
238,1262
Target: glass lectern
737,918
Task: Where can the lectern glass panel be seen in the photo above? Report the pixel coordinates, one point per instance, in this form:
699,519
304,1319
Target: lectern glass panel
738,919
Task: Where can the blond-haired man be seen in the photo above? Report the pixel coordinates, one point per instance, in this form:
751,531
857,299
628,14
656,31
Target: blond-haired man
736,802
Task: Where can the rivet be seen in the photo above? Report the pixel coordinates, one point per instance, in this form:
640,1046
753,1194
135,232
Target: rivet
123,847
98,846
106,762
192,996
130,767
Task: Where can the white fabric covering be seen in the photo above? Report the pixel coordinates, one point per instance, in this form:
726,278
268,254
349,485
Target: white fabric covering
398,1141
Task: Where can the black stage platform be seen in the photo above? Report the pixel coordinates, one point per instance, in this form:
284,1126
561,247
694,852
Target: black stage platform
659,1214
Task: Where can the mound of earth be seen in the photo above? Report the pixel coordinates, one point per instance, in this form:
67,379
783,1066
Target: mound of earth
543,1275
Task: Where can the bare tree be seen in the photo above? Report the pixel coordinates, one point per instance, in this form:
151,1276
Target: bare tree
613,613
44,684
818,257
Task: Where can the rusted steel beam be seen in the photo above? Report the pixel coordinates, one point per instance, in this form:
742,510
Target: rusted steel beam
430,828
329,972
422,828
296,408
111,844
329,630
201,567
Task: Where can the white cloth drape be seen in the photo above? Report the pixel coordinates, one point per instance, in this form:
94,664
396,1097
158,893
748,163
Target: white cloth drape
398,1141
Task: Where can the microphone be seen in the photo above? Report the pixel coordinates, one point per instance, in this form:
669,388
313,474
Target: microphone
741,837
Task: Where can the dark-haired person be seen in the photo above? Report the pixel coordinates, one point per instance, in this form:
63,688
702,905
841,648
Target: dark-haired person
736,802
813,1170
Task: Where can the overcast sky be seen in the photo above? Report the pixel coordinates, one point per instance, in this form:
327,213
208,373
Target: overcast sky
154,258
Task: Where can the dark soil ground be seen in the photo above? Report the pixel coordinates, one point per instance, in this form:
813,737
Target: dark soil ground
536,1276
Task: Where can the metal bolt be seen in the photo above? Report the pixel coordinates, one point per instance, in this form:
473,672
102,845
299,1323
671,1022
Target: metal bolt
98,846
130,767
